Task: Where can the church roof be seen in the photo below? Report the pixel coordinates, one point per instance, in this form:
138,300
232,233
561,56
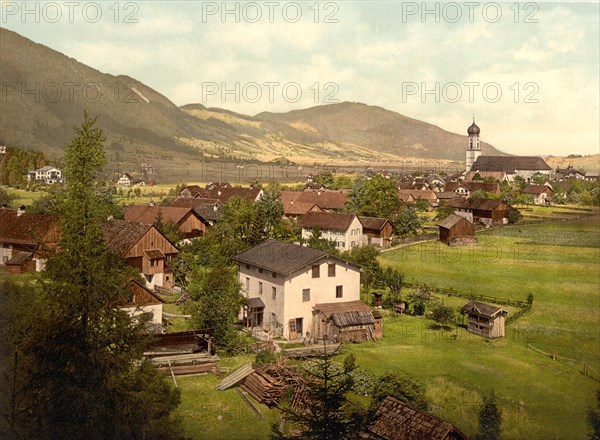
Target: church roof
509,164
473,129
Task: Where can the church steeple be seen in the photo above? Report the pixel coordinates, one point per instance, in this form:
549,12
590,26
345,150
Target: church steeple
474,149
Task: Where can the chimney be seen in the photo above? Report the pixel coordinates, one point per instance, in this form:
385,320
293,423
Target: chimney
21,210
151,203
219,193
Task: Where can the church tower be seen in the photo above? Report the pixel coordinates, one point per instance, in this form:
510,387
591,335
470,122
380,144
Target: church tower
474,150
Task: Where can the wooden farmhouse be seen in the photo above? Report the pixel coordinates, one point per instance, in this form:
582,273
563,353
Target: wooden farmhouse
351,321
395,420
485,320
541,194
188,223
283,282
342,228
25,239
488,212
192,191
457,230
377,231
414,195
142,246
465,189
142,303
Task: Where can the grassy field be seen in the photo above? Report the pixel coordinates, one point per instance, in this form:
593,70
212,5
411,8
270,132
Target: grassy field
539,397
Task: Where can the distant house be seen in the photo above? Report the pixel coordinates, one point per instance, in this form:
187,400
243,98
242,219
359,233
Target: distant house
223,194
192,191
569,173
508,167
143,247
188,223
485,320
292,208
210,186
351,321
142,302
485,211
592,176
414,195
466,189
25,239
541,194
395,420
190,202
327,200
47,174
283,282
342,228
456,229
376,231
125,180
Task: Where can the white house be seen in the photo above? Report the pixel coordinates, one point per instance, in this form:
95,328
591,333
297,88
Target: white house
47,174
283,282
125,180
345,230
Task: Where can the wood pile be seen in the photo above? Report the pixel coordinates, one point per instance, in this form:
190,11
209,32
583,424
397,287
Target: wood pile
264,388
184,359
236,377
310,350
263,345
289,376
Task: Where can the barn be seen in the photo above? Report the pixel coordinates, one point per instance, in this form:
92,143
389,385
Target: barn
351,321
484,319
457,230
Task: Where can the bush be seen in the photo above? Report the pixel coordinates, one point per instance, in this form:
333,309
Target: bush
265,357
442,314
402,386
419,308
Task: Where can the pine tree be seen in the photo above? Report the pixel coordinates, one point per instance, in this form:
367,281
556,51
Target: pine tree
490,420
86,379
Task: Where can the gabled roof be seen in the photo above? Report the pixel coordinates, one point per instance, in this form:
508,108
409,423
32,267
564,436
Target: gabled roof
210,213
346,313
148,214
19,258
122,235
327,220
376,223
474,186
509,164
483,309
451,220
418,194
536,189
134,285
470,203
224,194
283,258
194,190
327,199
188,202
26,228
395,420
446,195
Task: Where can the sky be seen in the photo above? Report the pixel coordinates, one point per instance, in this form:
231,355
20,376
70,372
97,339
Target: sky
528,72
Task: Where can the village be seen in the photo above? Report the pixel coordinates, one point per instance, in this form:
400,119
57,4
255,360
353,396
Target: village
224,274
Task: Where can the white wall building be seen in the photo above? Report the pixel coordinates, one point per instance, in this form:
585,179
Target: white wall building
344,229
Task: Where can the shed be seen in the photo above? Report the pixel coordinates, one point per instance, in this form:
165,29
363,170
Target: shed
350,321
484,319
21,262
456,229
395,420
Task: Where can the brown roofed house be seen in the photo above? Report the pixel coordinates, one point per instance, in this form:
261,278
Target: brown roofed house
377,231
142,302
485,211
25,233
465,189
541,194
351,321
342,228
143,247
188,223
329,199
395,420
224,194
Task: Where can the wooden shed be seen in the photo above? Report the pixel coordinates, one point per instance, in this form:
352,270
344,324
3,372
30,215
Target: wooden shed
395,420
484,319
21,262
350,321
456,229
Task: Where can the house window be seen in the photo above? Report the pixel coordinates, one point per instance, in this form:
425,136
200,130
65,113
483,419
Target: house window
247,284
331,270
273,292
247,266
274,275
316,271
353,244
305,295
339,291
260,270
273,318
341,244
260,288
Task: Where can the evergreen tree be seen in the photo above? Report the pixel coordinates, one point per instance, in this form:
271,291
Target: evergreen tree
270,210
593,419
331,416
408,222
85,378
490,420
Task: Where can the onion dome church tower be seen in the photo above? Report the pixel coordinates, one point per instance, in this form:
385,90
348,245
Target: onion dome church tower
474,150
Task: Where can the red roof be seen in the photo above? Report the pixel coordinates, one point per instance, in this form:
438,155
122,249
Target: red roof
25,228
327,220
148,214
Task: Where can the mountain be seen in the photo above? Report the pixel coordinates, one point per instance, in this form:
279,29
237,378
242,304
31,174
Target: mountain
45,93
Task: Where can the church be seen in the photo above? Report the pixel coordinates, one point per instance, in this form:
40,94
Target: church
500,167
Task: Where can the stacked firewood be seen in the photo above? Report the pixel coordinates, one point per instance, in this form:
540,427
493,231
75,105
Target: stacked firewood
264,388
289,376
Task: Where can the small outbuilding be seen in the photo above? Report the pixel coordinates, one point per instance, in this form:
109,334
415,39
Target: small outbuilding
351,321
484,319
395,420
21,262
457,230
